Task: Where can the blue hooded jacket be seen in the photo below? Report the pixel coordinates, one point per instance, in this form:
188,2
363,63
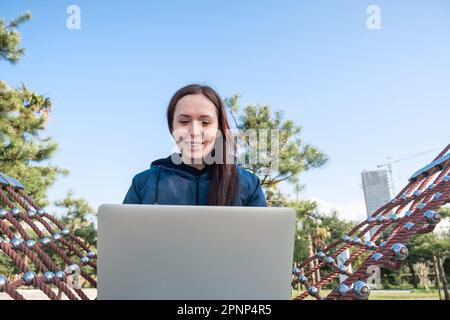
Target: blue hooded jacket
180,184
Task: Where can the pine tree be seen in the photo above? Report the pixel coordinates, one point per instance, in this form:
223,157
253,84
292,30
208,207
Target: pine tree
10,38
294,155
24,152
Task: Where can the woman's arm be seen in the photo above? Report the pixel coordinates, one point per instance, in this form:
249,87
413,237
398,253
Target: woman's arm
132,196
257,198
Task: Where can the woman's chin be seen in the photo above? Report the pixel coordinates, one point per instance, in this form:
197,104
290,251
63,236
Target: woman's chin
193,156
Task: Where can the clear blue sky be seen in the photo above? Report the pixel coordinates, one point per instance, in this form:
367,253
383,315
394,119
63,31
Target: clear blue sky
360,95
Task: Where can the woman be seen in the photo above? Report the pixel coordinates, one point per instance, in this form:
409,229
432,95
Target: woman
204,172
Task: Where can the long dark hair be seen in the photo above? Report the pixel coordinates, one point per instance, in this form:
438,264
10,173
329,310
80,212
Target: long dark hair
224,184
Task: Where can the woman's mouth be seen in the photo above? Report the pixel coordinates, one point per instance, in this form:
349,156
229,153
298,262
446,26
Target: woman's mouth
196,144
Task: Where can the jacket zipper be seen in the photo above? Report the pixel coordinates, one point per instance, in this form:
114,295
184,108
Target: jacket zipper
157,185
197,185
197,195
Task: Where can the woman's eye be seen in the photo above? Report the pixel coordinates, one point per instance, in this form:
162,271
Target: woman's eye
206,123
184,121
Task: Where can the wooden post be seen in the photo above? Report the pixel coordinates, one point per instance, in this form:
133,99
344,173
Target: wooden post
312,262
443,279
436,276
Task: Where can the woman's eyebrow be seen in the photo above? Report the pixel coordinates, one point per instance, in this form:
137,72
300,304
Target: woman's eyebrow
206,116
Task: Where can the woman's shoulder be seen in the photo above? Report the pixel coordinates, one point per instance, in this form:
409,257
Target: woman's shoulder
248,178
251,189
151,172
146,175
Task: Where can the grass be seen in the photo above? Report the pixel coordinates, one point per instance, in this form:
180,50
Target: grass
411,294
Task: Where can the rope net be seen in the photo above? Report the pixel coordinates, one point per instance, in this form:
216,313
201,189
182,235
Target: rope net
413,211
43,251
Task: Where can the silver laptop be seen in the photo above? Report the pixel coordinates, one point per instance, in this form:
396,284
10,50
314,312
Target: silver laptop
194,252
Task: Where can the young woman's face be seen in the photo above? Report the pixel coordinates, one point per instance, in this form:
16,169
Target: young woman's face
195,125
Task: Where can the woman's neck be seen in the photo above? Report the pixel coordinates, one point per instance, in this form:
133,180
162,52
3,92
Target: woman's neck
194,163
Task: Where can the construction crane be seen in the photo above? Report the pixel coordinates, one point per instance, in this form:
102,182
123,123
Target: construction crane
390,163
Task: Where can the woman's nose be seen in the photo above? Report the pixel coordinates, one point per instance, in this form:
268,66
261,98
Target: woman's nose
196,129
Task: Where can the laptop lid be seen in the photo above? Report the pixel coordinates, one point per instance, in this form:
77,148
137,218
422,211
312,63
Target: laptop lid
194,252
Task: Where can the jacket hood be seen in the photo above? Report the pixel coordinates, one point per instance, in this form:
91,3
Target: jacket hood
169,183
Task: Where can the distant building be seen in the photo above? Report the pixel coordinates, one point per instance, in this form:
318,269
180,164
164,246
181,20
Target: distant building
377,191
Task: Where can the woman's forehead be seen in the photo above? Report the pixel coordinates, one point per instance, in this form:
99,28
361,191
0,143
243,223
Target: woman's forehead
195,105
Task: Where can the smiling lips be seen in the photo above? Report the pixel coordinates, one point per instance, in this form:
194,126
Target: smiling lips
195,145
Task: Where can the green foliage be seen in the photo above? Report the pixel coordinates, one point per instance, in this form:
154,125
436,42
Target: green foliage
78,217
426,245
390,279
306,212
337,226
444,212
446,266
24,153
316,227
10,38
